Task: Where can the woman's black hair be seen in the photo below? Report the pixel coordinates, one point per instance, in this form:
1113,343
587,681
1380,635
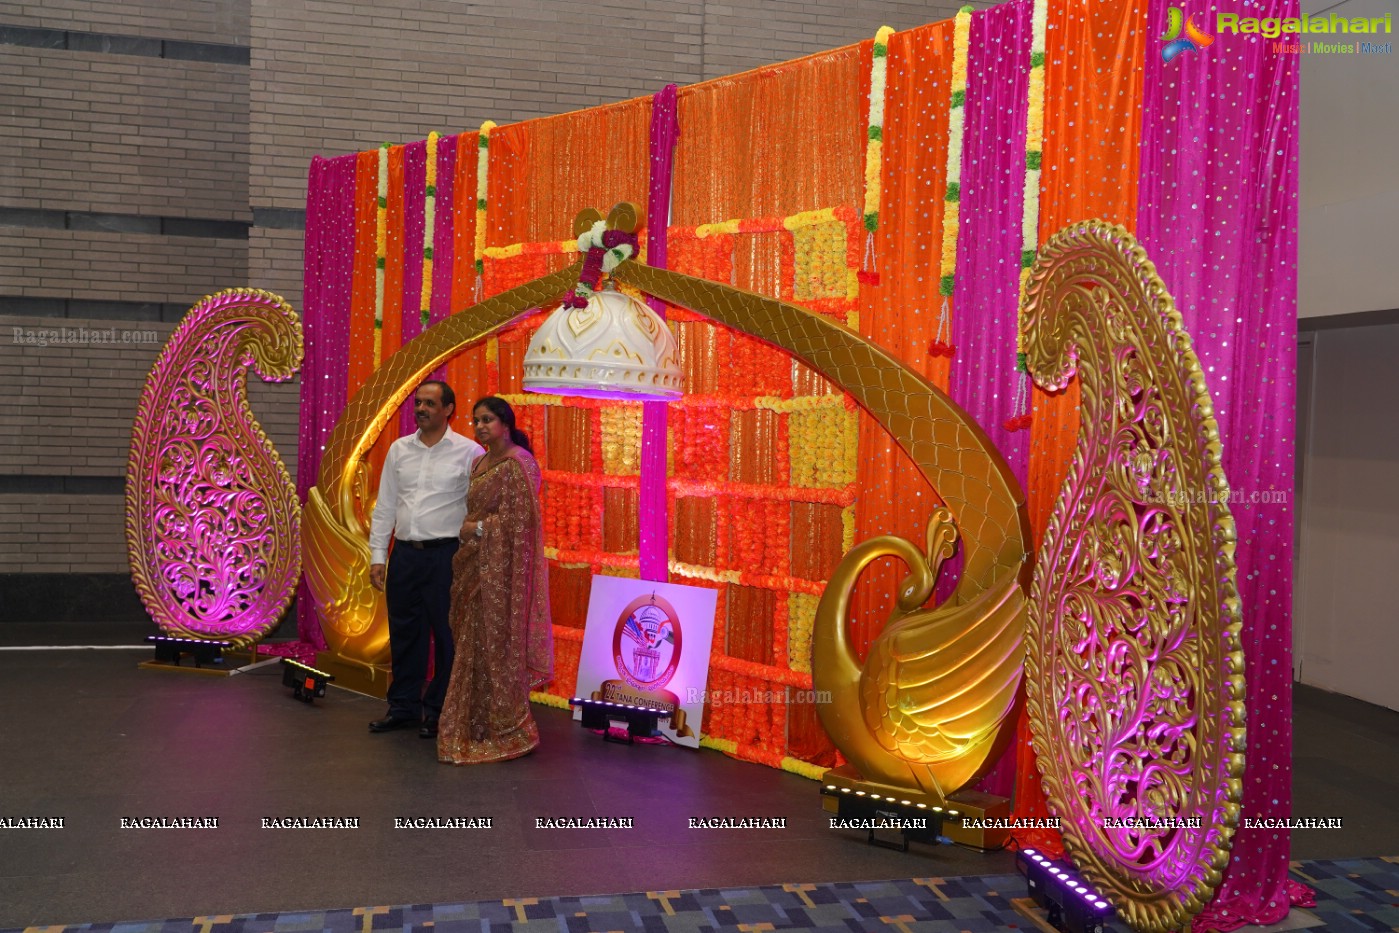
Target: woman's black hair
502,410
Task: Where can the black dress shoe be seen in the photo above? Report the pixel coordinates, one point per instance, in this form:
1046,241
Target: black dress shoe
429,730
391,722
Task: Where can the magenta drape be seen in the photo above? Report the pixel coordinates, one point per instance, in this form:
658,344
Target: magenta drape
325,317
1218,216
414,189
444,251
654,543
987,294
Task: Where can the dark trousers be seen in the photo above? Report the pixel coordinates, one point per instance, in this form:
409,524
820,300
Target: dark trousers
418,590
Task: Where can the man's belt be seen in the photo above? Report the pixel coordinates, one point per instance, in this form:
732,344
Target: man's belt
421,545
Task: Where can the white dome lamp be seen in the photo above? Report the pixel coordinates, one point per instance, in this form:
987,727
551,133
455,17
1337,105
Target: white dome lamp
604,344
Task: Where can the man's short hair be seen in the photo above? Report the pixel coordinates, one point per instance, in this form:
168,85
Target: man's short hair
448,396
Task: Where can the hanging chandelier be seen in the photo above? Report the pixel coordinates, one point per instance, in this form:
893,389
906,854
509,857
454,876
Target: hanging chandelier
612,347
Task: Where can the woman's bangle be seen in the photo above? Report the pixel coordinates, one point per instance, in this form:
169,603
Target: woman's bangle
480,529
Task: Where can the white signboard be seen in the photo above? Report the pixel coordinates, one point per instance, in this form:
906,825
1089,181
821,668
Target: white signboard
647,644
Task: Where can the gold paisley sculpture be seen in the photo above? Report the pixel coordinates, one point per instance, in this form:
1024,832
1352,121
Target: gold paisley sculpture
212,517
335,539
1134,670
926,714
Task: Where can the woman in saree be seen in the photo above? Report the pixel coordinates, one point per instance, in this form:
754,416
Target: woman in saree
500,601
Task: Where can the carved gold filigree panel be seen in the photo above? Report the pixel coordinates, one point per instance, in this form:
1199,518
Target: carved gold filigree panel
212,518
1134,669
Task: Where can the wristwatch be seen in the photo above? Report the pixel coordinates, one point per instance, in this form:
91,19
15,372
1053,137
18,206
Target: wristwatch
480,529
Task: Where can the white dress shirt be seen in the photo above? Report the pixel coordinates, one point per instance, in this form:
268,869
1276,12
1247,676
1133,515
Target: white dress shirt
422,491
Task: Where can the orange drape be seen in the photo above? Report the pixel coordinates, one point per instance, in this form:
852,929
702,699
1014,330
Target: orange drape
900,313
466,372
391,334
757,147
361,356
769,143
1092,89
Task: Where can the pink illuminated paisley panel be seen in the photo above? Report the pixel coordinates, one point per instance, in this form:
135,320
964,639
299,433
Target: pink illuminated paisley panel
1134,670
212,518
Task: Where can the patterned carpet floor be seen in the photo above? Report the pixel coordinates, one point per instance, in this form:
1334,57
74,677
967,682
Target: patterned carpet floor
1352,894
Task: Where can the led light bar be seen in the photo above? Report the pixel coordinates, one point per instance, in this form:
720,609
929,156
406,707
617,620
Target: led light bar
1072,905
619,722
914,822
169,649
306,682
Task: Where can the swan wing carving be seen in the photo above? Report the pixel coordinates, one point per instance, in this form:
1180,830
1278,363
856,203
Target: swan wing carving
953,673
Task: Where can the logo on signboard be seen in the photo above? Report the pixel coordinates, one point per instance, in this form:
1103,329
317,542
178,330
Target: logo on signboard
1193,41
646,643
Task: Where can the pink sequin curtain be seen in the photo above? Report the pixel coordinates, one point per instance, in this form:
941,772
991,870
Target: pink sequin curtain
1218,215
653,539
325,317
987,297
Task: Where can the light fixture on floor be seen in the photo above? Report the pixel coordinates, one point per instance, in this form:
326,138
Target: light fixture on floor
620,722
1072,906
169,650
306,682
913,821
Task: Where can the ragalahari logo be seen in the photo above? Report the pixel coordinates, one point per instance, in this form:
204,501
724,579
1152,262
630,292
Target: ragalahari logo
1193,41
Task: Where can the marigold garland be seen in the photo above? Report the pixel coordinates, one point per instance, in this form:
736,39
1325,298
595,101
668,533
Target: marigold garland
1029,224
548,699
621,439
874,150
819,269
482,165
951,216
801,621
381,251
742,578
429,223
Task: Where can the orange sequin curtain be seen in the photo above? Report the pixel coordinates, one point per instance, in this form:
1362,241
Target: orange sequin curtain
757,147
900,312
1091,132
541,174
773,473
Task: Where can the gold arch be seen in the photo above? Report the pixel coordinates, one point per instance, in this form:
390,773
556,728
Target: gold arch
335,534
920,718
926,712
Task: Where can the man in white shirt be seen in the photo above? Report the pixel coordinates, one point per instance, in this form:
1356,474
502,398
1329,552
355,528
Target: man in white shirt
422,504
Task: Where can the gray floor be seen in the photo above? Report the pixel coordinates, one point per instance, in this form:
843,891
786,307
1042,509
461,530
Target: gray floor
89,737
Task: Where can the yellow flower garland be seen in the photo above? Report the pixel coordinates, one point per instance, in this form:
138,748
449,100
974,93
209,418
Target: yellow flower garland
956,125
381,251
1034,145
483,138
429,222
874,149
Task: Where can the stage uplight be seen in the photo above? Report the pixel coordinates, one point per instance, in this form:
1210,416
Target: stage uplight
169,650
1071,905
306,682
914,822
620,722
